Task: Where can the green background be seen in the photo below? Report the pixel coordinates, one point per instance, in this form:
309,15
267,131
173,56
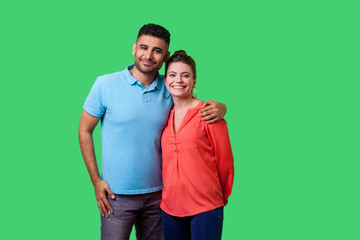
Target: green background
288,72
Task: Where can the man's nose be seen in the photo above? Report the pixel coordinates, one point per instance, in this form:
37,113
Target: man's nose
148,55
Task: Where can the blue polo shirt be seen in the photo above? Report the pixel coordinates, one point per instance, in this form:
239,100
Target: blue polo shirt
132,121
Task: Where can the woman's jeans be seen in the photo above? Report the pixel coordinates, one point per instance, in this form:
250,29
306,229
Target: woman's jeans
202,226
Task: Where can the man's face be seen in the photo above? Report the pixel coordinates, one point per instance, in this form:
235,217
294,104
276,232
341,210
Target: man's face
150,53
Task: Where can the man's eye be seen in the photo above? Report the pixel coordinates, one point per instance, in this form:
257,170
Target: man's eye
158,51
143,48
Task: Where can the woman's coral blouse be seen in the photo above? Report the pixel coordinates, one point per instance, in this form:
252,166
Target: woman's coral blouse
198,165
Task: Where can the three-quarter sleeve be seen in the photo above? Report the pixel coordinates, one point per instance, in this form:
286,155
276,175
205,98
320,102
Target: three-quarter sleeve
220,142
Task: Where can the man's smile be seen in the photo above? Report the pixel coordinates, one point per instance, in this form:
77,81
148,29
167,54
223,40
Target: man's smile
147,62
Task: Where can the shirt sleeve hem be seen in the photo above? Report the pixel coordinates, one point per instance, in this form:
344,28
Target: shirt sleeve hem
91,111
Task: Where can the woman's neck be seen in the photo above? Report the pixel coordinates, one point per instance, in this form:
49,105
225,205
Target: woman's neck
185,103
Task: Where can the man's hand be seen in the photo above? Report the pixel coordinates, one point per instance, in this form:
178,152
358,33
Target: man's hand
86,127
212,111
101,189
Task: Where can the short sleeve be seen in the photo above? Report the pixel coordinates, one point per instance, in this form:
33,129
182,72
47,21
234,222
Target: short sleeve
220,143
94,104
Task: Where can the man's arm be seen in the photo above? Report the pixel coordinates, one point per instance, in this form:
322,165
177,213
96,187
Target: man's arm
86,128
212,111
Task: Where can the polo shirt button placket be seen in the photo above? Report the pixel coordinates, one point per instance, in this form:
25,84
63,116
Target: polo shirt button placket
145,97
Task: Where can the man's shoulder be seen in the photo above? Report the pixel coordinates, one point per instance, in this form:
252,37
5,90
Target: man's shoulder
110,80
111,76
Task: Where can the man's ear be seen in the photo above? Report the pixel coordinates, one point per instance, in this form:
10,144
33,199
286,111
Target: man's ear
166,56
134,49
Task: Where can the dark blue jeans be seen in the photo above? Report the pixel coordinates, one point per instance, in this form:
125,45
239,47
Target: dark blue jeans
202,226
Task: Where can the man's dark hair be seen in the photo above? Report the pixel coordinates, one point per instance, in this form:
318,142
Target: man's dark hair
155,31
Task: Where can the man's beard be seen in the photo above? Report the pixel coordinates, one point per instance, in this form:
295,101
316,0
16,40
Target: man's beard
148,72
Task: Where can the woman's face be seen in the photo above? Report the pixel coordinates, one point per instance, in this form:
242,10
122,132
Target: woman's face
179,80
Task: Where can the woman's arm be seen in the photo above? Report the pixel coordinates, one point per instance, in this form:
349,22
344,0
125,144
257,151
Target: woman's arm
220,142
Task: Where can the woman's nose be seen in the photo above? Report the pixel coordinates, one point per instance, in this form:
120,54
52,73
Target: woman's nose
178,79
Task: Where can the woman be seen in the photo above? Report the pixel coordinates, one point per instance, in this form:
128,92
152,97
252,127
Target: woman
198,168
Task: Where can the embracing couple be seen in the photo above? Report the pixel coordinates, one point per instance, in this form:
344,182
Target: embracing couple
167,164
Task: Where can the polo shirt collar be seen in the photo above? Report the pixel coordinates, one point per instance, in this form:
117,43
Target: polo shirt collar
130,77
155,84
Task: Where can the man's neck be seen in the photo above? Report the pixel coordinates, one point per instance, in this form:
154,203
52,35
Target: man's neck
145,79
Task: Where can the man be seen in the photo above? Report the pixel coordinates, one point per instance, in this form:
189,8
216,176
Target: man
133,106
